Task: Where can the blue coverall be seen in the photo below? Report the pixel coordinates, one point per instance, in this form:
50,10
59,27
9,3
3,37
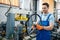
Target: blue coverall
44,34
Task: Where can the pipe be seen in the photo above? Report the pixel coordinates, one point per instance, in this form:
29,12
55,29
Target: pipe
9,8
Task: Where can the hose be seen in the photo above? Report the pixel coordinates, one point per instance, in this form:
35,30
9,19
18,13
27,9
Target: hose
9,8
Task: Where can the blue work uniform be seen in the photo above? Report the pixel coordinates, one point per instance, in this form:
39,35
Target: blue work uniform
45,20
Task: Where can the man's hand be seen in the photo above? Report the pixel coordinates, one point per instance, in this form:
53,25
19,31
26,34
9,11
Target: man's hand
39,27
33,27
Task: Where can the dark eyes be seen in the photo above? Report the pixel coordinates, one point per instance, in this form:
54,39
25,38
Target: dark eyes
43,8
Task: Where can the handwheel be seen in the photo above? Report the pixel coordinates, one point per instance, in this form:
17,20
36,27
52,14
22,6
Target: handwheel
29,32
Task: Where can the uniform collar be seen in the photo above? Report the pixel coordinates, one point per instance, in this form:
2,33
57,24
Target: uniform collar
45,14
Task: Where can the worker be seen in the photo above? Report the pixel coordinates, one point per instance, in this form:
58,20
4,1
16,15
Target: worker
45,25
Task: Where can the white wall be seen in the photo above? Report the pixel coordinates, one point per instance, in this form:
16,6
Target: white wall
58,5
40,5
58,9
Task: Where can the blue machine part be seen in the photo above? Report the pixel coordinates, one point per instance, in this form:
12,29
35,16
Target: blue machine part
10,25
19,28
19,31
29,24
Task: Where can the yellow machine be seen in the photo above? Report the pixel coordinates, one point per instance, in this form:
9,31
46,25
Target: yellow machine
21,17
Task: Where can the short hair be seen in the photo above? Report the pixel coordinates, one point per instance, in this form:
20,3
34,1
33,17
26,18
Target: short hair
46,4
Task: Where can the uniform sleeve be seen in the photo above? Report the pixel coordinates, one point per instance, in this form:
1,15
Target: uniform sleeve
38,19
51,19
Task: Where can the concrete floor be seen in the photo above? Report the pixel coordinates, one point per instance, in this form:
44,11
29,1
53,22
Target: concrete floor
34,39
6,39
25,38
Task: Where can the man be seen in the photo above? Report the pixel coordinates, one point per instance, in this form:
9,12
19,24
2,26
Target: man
45,25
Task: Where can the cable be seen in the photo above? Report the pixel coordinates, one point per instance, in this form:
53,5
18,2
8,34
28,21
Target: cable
9,8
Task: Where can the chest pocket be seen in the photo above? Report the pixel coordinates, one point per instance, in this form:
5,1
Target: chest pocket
46,22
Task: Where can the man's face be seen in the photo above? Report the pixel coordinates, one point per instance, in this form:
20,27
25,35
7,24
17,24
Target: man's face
44,8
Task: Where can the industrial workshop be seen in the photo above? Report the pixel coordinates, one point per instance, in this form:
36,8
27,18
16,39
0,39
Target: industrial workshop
29,19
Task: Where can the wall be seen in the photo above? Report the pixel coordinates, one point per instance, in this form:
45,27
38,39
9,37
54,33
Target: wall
7,2
3,10
51,4
58,5
58,10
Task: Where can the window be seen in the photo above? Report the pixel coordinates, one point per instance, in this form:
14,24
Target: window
13,2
